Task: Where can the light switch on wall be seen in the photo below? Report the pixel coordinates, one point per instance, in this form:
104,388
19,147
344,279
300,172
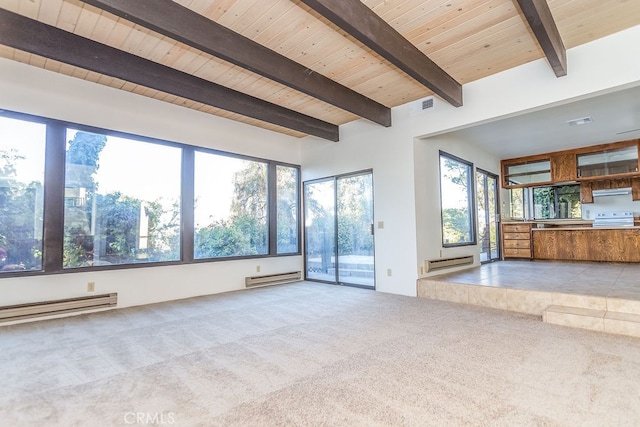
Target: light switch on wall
380,225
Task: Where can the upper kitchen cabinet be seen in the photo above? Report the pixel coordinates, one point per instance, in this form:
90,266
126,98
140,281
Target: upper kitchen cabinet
539,170
526,173
563,167
607,162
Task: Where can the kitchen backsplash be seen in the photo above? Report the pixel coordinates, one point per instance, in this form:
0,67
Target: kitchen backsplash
609,204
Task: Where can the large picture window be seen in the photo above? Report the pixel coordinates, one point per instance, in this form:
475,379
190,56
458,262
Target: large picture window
288,209
456,197
230,213
114,200
22,154
121,201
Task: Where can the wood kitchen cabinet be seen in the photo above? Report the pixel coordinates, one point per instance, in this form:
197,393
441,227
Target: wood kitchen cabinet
587,244
635,188
606,162
525,173
586,192
516,240
563,167
587,187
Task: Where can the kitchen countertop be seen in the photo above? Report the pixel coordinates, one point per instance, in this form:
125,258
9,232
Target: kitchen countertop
550,221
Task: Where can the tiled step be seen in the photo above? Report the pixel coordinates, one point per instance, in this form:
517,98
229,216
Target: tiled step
620,305
598,313
595,320
575,317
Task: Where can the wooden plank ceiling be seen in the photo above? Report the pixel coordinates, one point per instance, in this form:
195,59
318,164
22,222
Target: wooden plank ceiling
465,40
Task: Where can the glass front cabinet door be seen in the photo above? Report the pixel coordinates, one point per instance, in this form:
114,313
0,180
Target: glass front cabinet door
524,174
608,162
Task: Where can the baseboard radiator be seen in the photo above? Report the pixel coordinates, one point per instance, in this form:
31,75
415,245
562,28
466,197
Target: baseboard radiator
47,308
272,279
439,264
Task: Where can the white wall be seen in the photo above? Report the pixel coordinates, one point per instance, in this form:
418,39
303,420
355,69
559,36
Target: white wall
389,152
406,172
40,92
428,208
610,204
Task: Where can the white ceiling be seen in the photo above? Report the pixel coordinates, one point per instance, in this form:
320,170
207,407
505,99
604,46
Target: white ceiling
615,117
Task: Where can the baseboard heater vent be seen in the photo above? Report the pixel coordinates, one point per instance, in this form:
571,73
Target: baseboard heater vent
46,308
439,264
272,279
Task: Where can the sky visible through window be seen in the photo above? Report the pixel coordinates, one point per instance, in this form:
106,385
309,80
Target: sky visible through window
27,138
214,188
120,167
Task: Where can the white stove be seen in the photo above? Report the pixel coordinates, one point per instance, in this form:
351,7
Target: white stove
614,219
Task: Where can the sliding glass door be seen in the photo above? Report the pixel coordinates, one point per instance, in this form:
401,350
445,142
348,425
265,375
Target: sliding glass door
320,230
339,226
487,203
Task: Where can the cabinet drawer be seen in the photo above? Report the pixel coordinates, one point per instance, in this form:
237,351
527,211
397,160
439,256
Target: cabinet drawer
517,236
517,244
517,253
516,228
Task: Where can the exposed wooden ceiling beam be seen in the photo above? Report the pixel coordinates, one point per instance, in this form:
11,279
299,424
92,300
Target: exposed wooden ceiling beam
180,23
32,36
357,19
544,27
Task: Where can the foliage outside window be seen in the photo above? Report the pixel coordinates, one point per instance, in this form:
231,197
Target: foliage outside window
320,239
22,154
487,209
119,201
287,209
122,201
339,221
456,196
557,202
517,203
355,209
549,202
230,207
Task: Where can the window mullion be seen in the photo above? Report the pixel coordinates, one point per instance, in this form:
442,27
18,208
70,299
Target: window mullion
53,233
187,204
272,207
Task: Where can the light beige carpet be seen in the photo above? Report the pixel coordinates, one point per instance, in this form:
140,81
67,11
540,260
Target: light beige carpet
310,354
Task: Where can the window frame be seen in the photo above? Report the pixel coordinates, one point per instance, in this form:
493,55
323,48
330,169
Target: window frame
273,210
471,205
268,213
126,138
45,123
54,183
556,200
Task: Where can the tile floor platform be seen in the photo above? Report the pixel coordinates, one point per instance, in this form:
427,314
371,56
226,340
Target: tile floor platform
598,296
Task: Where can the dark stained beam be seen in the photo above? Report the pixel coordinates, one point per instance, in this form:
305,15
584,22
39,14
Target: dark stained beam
544,27
180,23
26,34
357,19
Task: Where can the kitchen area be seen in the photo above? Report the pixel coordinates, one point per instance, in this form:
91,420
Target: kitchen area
573,205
